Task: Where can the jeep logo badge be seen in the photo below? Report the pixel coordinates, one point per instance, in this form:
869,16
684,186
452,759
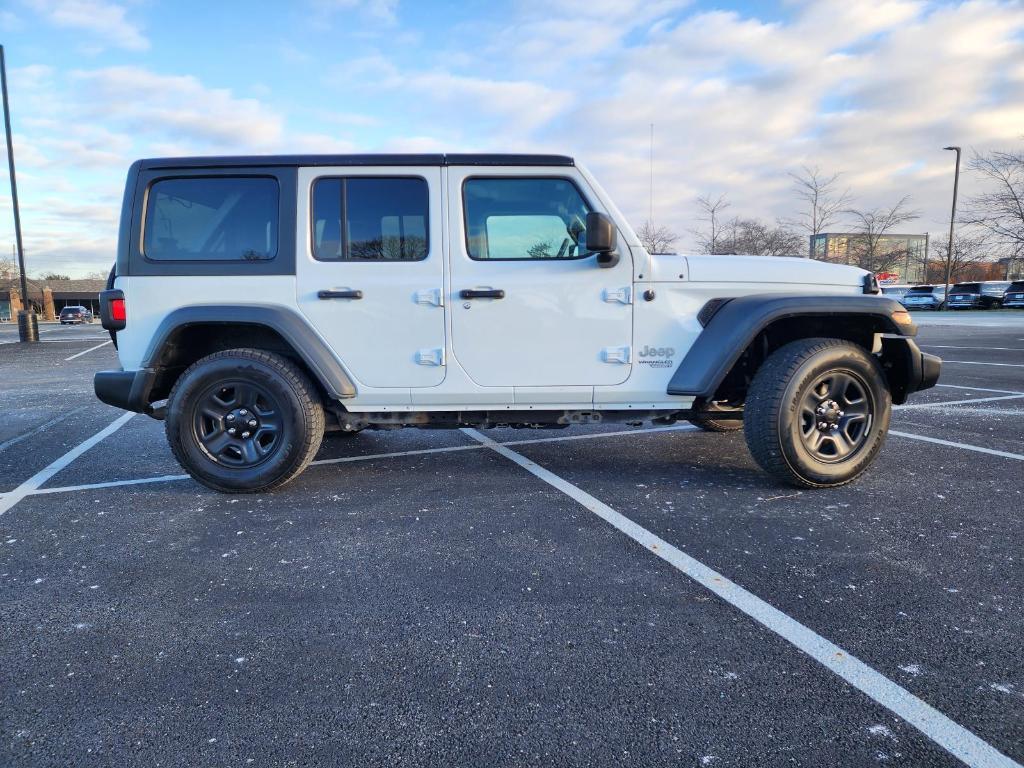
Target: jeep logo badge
657,351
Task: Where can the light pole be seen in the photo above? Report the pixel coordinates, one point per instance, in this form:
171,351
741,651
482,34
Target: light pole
28,327
952,221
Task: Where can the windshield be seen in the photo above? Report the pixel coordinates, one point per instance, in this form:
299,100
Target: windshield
966,288
1017,286
921,290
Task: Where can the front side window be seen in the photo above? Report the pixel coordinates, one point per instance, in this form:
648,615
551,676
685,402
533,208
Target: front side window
212,219
512,218
370,219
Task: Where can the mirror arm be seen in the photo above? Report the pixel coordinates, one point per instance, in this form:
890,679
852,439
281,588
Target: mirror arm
608,259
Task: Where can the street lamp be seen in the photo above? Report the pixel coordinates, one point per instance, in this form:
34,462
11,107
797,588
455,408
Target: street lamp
952,220
28,328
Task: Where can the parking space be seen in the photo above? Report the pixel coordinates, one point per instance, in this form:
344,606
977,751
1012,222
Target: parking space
600,596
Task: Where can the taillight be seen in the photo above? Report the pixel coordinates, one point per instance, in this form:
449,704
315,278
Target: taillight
113,313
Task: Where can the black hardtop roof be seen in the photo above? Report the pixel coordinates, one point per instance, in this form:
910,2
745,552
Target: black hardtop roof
264,161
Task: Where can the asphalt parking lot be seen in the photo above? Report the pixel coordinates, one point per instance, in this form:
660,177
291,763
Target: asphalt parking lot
605,596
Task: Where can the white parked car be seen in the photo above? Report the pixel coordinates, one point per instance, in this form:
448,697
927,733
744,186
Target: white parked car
257,301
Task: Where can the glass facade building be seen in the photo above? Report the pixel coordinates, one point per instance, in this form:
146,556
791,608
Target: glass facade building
908,262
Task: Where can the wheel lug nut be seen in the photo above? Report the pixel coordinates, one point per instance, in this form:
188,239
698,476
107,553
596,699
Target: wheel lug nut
245,434
243,412
230,417
252,423
232,431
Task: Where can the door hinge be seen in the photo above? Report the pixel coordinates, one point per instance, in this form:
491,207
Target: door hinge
618,355
430,296
620,295
430,356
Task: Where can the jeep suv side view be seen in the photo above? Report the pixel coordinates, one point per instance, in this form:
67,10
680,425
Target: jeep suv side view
258,301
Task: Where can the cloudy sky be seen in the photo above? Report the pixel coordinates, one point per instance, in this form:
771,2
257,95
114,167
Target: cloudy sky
741,93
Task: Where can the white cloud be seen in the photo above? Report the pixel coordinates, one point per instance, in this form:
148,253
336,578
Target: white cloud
103,19
177,108
382,10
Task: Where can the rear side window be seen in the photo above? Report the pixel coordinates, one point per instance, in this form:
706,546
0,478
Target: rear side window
510,218
364,218
212,219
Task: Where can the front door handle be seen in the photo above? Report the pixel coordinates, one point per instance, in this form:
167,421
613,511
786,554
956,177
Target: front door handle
481,293
348,293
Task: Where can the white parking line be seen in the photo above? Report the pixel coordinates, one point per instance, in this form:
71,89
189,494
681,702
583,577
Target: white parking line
11,498
981,389
365,457
950,346
907,406
978,362
87,351
964,446
952,737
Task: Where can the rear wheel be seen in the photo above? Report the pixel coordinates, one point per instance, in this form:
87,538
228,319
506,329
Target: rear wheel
706,421
817,413
244,420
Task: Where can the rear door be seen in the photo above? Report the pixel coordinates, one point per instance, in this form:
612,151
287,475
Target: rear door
370,277
530,307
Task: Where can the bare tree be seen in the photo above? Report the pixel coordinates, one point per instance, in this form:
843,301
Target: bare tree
973,259
824,200
869,246
709,238
999,210
753,237
656,239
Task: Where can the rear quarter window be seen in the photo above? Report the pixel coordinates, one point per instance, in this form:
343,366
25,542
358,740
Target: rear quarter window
211,219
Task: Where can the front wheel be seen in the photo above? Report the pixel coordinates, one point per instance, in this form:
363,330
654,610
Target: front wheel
244,420
817,413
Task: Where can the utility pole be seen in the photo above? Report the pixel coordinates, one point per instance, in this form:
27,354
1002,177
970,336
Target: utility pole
952,221
28,325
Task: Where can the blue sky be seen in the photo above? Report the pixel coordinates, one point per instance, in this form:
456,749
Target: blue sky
742,93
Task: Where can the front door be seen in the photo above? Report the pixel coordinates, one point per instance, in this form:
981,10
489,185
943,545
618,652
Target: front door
370,277
529,306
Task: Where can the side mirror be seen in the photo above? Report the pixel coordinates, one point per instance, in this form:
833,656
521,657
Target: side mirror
602,239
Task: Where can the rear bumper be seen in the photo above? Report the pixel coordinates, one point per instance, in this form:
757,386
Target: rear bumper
125,389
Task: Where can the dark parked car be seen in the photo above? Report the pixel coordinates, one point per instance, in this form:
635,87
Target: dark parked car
924,297
984,295
1014,296
72,315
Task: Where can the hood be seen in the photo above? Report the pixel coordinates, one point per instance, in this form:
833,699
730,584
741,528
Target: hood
771,269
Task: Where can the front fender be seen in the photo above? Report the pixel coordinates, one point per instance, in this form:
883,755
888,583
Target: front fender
731,325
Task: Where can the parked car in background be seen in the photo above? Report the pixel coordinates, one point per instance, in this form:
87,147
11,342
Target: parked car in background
983,295
895,291
1014,296
72,315
924,297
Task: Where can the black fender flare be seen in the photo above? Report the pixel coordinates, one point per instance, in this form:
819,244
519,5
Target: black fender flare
290,325
730,325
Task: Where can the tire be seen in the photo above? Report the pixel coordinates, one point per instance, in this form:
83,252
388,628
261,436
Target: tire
804,385
231,390
716,425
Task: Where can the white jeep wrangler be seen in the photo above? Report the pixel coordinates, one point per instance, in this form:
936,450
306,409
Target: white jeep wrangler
258,301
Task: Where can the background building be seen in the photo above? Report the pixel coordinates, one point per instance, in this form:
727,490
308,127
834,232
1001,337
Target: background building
903,256
49,297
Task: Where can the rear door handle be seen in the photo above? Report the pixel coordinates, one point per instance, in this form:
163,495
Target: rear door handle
348,293
481,293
